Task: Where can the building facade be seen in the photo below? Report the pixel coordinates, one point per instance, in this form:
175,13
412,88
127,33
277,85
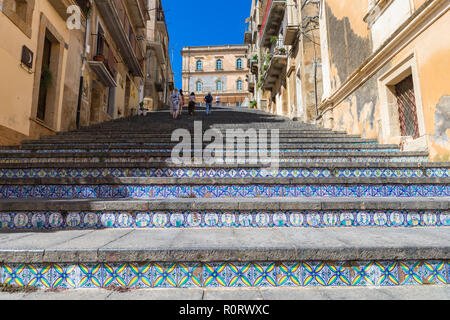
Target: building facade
386,72
284,57
372,68
159,79
57,75
220,70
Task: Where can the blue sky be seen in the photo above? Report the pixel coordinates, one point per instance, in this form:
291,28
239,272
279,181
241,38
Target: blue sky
203,22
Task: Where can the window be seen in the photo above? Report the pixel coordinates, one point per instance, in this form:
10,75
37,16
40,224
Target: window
219,85
199,65
20,12
239,63
219,64
199,86
239,85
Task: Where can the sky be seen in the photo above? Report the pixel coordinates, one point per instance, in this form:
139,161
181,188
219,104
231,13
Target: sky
202,23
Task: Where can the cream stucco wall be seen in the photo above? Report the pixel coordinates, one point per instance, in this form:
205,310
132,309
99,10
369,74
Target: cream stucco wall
16,83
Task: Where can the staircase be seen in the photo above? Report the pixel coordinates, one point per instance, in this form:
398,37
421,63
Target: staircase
105,207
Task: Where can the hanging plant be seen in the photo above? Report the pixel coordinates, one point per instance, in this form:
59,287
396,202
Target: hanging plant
46,78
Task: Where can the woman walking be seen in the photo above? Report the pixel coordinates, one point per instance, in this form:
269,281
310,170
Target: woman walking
175,100
180,112
192,102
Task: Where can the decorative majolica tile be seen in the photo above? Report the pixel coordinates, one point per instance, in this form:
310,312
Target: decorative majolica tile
265,275
364,274
434,272
165,275
115,275
140,275
386,274
189,275
65,276
289,275
91,276
215,275
314,274
241,275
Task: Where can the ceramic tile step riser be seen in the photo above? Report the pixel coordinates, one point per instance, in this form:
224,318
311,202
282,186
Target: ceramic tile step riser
94,220
309,144
217,191
18,153
236,275
227,258
159,134
225,173
168,148
134,160
247,155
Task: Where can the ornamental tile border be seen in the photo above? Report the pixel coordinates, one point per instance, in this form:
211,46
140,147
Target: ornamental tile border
224,173
213,275
76,220
221,191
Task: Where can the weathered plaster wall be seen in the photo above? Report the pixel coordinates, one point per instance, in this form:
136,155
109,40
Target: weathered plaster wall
360,113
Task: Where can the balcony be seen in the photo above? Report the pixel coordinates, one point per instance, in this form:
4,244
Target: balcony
291,25
62,5
158,47
251,79
272,21
119,26
253,65
274,66
104,63
138,12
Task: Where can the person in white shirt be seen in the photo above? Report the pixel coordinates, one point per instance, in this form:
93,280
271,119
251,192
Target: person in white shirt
175,100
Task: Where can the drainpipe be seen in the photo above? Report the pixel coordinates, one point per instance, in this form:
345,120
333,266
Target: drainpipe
83,63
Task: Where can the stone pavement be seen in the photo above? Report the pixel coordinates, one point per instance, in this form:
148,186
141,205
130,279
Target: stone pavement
399,293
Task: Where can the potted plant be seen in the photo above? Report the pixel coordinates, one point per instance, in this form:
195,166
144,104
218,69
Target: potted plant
253,104
46,78
274,39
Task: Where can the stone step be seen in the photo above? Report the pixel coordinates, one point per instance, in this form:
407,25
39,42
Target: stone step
166,151
169,258
80,140
299,157
52,215
380,170
61,147
197,188
150,132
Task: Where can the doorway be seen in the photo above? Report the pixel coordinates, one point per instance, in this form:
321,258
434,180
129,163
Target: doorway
45,80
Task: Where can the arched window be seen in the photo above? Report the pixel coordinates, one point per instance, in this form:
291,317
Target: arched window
219,64
239,85
219,85
199,65
239,63
199,86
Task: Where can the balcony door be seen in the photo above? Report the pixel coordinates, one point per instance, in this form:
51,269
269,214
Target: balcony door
46,79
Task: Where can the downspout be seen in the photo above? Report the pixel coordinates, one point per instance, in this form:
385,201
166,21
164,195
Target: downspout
83,63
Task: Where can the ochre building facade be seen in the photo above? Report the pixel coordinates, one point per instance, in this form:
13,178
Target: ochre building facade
220,70
68,63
